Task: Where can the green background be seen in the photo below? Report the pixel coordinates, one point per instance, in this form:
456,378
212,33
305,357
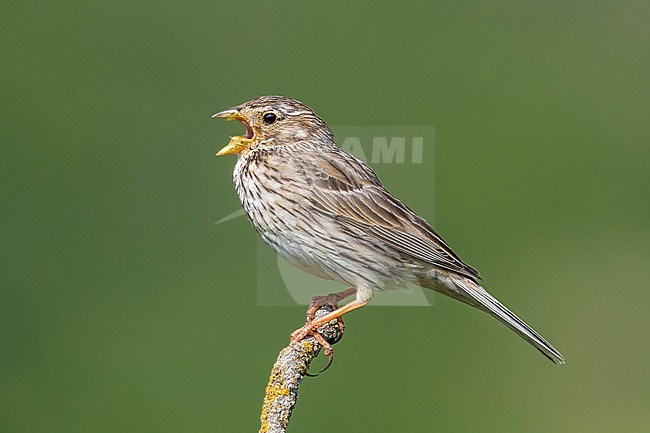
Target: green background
124,308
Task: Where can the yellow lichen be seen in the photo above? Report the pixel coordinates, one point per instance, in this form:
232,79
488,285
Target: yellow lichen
309,346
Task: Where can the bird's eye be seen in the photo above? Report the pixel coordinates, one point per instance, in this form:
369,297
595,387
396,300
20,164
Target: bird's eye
270,118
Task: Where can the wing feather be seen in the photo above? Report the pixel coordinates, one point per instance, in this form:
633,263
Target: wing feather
352,194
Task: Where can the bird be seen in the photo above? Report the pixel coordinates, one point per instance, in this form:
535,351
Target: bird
327,213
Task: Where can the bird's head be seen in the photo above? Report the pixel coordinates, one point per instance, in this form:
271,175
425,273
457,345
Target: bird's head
273,121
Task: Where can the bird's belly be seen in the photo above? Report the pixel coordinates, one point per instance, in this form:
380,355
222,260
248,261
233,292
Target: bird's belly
312,241
296,253
317,246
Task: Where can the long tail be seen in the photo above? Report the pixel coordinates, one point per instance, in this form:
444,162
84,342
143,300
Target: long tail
475,295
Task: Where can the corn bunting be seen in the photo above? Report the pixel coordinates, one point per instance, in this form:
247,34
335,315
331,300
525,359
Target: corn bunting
327,213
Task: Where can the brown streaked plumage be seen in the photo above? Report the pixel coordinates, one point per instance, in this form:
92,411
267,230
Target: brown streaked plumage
327,213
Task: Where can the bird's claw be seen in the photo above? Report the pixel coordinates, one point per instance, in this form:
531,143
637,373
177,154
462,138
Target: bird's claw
316,327
316,331
330,359
317,302
310,328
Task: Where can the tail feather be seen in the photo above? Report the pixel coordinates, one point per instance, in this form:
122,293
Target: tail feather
473,294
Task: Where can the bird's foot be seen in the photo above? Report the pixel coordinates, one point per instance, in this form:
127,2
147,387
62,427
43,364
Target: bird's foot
319,301
320,332
315,328
312,326
324,322
332,299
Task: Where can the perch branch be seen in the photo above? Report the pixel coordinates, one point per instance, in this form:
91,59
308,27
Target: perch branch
287,374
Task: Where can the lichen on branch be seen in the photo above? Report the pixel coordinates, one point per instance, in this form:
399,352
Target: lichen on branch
287,374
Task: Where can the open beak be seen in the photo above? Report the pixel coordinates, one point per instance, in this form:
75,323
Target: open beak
238,143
